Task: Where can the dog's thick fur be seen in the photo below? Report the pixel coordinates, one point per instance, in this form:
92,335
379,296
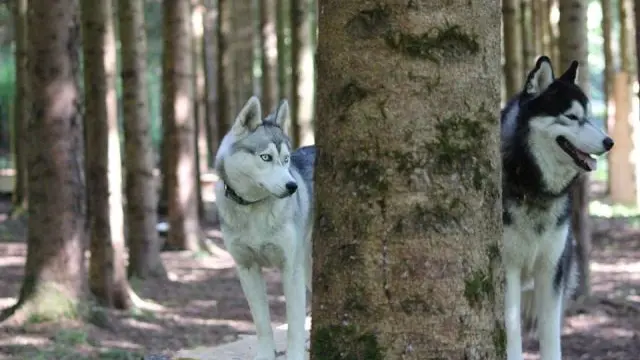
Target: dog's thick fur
547,137
265,208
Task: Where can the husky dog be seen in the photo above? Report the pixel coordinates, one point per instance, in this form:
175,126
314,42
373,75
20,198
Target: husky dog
265,208
547,142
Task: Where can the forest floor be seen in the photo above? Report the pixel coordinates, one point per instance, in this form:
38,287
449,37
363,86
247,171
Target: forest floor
202,304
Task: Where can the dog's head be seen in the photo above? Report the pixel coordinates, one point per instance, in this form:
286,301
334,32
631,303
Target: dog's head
255,155
559,115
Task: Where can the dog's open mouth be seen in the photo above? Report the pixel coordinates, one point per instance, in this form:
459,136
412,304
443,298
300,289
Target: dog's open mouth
581,158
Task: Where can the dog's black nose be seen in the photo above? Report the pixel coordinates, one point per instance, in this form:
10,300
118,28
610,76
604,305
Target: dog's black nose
291,187
607,143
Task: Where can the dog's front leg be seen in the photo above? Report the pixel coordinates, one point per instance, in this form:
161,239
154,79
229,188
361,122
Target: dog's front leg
256,294
512,298
549,314
293,283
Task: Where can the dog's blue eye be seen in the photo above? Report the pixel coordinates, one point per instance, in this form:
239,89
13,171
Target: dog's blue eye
266,157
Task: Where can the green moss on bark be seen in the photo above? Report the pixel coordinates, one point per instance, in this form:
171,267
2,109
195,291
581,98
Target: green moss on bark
447,43
345,342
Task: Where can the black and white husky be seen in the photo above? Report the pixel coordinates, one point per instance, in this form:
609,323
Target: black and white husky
548,141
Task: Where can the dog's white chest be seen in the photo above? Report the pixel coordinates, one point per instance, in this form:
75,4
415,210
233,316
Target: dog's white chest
534,238
255,237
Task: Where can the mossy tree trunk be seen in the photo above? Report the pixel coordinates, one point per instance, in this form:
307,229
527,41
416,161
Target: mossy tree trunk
55,276
269,55
243,52
574,46
407,249
512,37
227,99
178,117
22,107
107,268
302,73
140,183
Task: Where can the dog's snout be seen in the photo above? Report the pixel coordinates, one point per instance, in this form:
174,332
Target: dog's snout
291,187
607,143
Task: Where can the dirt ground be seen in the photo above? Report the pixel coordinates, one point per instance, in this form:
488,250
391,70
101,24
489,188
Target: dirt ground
202,304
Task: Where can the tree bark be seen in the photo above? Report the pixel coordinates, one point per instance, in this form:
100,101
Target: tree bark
226,80
406,260
528,42
243,52
269,56
22,107
55,276
140,183
107,268
283,24
573,43
199,103
512,35
303,72
210,55
178,91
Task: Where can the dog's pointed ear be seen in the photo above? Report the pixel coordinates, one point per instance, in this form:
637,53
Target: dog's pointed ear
283,116
572,73
249,118
540,77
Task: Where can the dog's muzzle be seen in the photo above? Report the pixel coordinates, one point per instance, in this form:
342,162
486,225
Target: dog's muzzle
291,187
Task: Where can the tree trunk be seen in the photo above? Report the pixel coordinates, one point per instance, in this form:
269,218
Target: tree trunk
210,55
140,183
538,26
623,168
609,73
269,56
22,107
554,32
184,225
512,35
528,42
284,50
226,80
406,261
303,72
243,37
199,103
55,275
574,46
107,268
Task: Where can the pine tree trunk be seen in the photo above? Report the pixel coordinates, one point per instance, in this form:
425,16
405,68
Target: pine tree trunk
22,107
406,261
624,169
574,46
140,183
303,72
269,55
226,79
199,102
107,268
609,73
178,114
538,26
528,42
512,35
210,56
55,276
243,37
283,28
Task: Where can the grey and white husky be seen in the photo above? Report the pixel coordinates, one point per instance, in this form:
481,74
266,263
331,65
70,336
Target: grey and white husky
265,208
548,140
